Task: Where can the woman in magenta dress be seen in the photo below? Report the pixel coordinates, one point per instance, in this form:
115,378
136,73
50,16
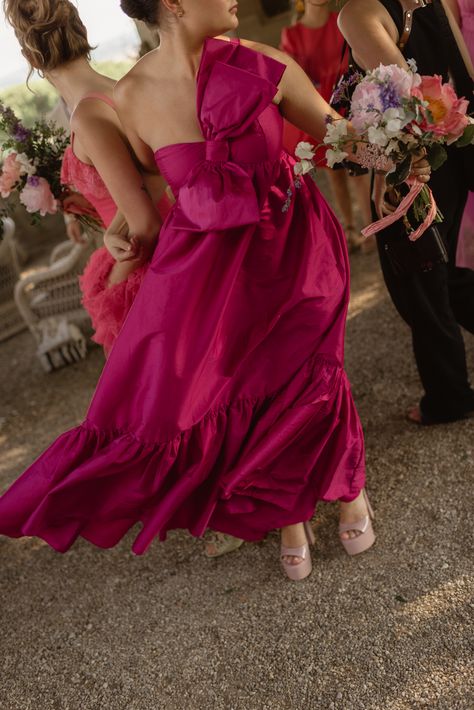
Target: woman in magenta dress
224,403
463,11
314,41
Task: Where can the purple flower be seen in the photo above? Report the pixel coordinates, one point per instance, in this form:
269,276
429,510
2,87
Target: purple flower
355,78
389,96
33,180
328,119
21,133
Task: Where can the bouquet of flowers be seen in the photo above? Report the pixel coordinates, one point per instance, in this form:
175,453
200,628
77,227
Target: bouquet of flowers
30,162
30,165
396,115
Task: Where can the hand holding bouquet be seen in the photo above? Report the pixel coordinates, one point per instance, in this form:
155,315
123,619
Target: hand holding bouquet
396,116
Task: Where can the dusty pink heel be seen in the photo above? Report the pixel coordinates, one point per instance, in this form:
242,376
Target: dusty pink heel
302,569
361,543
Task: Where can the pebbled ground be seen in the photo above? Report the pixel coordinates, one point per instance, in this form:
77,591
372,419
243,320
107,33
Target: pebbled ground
391,630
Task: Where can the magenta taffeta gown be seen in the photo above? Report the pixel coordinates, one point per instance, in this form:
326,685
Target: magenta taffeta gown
224,403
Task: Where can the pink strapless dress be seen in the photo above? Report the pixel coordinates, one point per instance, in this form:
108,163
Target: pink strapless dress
107,305
224,403
465,252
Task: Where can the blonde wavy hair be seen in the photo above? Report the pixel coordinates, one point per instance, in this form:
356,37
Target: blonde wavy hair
50,32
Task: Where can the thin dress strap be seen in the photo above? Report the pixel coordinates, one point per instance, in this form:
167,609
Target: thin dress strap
101,97
93,95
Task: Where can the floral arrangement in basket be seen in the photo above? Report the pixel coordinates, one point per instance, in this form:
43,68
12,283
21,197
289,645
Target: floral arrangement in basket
30,165
396,115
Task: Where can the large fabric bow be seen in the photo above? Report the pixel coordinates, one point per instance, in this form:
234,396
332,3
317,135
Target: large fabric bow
219,193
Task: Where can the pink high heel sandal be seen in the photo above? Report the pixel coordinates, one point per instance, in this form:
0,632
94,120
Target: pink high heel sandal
361,543
303,568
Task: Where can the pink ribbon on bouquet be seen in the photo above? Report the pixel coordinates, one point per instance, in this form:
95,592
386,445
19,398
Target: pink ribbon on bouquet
415,189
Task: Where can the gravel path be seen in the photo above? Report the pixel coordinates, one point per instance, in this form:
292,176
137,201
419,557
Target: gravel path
392,630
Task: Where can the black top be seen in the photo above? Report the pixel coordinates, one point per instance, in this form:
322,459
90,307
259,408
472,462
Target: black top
424,42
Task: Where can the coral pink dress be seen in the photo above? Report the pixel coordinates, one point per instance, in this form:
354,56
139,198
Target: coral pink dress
224,403
107,305
318,50
465,252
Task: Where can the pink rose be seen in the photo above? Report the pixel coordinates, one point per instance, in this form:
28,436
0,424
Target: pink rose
447,110
10,174
37,197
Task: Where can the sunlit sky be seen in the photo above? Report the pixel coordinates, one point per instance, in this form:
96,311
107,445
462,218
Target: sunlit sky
103,18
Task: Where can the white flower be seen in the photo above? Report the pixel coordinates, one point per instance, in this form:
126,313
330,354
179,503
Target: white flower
413,65
335,156
393,127
377,136
336,131
303,167
26,166
392,113
304,151
396,119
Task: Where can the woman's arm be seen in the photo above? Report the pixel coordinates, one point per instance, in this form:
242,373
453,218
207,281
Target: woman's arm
455,26
372,35
109,153
454,7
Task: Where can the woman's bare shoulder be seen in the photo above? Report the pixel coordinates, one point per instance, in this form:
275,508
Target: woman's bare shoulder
362,13
267,50
358,17
87,113
133,81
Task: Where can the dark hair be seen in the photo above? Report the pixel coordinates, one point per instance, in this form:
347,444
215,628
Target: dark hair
146,10
50,32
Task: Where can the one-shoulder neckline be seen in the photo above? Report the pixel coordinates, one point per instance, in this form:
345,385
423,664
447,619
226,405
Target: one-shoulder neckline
232,40
178,144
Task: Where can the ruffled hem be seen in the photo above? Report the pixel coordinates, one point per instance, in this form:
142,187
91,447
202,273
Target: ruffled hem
107,305
246,468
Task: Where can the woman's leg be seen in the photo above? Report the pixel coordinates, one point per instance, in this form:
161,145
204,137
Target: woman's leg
351,513
293,536
338,180
361,185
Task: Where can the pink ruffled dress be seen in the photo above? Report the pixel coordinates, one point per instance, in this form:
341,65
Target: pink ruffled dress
224,403
465,252
107,305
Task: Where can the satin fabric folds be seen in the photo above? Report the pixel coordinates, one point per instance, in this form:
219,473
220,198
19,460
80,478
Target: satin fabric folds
224,403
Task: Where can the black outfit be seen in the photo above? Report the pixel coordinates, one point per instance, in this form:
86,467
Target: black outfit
437,302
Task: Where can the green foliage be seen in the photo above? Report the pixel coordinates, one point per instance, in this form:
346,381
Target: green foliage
436,155
467,137
30,104
34,103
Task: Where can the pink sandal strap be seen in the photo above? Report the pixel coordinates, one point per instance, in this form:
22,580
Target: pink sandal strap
294,551
359,525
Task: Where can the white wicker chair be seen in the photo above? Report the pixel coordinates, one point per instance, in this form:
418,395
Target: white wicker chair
54,291
11,321
50,302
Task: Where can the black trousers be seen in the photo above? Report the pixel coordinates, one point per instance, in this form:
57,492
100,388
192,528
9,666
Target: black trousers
436,303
